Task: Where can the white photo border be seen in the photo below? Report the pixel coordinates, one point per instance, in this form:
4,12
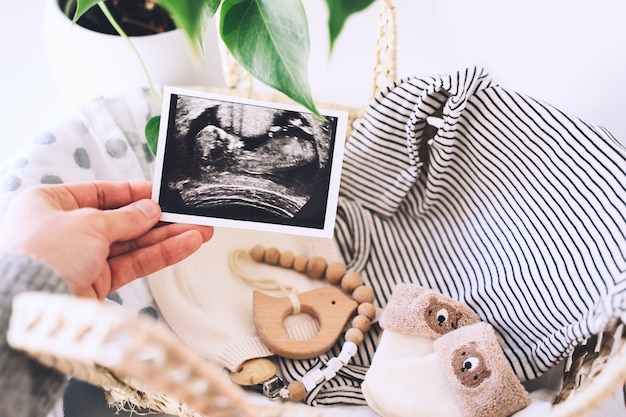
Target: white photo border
324,227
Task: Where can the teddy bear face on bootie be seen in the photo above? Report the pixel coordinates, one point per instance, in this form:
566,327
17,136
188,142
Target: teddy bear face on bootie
443,317
469,365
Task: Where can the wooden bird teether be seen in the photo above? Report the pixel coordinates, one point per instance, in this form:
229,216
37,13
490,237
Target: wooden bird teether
328,305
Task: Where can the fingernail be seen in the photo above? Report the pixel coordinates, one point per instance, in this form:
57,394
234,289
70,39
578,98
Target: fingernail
148,207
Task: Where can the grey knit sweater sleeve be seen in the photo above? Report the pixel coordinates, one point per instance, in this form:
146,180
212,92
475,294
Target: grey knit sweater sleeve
27,388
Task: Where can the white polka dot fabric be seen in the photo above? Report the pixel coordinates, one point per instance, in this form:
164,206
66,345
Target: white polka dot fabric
102,141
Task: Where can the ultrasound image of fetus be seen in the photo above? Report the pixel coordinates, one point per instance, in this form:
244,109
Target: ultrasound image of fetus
247,162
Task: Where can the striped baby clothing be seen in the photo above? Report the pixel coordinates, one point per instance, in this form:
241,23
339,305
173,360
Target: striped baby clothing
508,205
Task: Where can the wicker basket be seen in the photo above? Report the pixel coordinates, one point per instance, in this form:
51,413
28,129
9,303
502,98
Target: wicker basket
140,364
592,373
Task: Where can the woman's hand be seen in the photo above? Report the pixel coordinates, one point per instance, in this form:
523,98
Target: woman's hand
99,236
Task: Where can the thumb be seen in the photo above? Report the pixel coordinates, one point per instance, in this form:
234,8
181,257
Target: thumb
133,220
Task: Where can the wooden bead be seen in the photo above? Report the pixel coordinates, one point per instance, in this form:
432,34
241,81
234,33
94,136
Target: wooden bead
368,310
257,253
300,263
363,294
355,336
334,272
297,391
271,256
286,259
351,280
316,267
362,323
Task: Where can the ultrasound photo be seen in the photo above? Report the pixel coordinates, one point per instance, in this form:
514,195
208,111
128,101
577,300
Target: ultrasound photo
244,163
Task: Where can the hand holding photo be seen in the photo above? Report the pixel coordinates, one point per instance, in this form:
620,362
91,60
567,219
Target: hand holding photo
232,162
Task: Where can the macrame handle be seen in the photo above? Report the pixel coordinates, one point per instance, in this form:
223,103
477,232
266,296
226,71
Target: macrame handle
385,56
131,357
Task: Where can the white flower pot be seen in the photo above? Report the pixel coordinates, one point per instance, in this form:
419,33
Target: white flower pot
87,64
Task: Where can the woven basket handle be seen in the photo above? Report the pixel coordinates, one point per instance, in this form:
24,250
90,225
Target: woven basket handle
384,69
385,56
136,360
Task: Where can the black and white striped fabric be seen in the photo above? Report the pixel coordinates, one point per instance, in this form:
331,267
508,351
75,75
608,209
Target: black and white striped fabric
512,207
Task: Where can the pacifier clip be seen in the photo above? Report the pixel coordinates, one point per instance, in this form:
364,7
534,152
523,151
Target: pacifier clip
332,306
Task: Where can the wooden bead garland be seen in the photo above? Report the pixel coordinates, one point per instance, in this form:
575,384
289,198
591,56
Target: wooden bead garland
351,283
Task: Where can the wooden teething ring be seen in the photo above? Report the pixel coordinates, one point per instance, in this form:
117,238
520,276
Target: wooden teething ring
328,305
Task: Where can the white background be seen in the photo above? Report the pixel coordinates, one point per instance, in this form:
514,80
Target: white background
29,100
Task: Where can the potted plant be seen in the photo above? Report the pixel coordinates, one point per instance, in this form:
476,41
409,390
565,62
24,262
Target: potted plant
268,38
88,59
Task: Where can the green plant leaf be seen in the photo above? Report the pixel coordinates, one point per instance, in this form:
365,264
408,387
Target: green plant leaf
338,13
152,133
191,16
82,6
270,39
